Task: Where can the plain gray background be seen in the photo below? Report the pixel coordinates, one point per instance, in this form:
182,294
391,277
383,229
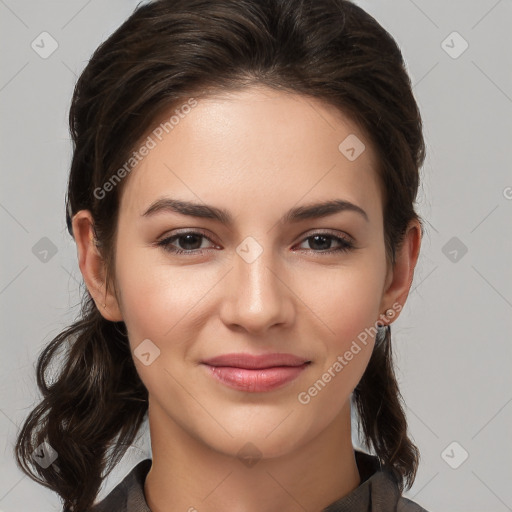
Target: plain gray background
453,340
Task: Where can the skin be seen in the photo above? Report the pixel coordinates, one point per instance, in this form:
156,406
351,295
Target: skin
257,153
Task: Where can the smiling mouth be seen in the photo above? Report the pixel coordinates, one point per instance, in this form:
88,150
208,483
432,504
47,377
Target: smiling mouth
256,380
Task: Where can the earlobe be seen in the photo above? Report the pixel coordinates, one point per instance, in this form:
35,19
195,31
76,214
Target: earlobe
92,266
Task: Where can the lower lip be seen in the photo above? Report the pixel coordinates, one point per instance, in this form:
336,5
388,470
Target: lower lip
257,380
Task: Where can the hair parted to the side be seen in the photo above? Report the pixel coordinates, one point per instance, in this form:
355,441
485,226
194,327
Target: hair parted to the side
166,52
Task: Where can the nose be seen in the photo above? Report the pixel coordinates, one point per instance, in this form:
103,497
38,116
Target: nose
256,296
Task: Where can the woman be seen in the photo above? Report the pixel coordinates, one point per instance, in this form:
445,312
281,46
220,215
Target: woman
242,198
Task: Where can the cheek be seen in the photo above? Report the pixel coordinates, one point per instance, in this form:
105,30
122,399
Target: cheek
345,353
157,305
347,302
157,300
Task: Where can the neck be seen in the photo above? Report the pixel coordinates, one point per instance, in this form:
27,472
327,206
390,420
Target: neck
188,475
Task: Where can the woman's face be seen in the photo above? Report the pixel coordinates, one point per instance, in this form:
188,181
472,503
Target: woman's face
257,281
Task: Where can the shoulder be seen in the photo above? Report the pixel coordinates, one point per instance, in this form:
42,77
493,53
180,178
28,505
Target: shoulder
382,486
127,495
384,494
406,505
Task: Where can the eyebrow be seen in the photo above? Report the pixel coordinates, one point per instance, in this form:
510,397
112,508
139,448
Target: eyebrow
203,211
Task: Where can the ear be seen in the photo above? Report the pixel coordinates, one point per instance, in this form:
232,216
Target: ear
93,267
399,277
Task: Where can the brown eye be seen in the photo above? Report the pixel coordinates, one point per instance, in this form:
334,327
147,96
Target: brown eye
189,242
321,243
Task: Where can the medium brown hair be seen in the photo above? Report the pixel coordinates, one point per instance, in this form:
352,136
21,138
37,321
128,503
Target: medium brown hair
164,53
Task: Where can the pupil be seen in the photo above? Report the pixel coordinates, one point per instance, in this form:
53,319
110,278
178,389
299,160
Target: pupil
188,242
326,241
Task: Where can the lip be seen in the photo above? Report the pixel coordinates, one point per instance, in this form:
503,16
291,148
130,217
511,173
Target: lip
255,374
252,362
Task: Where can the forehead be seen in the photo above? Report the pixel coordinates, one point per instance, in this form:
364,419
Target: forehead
254,150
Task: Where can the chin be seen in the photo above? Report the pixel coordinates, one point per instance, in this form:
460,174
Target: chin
259,441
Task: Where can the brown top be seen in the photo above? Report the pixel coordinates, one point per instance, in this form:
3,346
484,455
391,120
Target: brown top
377,492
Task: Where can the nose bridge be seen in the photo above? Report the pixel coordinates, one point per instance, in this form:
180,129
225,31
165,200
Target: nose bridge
257,297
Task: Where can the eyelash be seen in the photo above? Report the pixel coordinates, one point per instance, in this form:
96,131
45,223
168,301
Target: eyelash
345,244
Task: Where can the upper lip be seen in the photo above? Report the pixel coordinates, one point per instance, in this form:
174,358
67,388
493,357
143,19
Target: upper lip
249,361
